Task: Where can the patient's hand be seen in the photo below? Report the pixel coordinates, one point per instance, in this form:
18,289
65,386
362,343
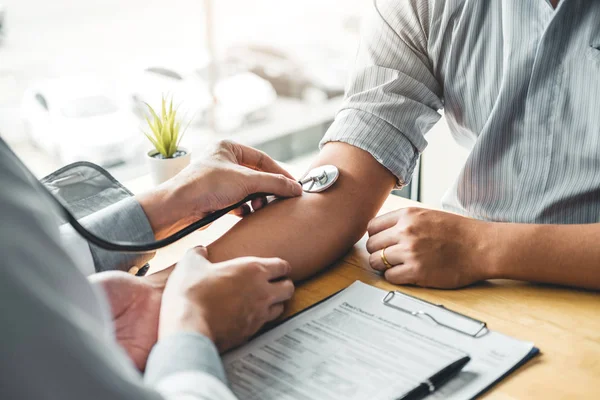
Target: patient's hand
135,306
430,248
223,177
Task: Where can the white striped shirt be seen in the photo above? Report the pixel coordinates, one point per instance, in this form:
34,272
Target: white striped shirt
520,85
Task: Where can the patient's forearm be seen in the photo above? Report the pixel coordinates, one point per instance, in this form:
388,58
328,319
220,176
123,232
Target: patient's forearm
561,254
314,230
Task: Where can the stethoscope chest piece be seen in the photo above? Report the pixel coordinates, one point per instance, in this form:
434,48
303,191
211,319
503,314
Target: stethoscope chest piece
320,179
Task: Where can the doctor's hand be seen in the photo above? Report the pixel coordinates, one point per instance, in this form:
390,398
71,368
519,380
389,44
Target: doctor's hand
227,302
430,248
225,176
135,307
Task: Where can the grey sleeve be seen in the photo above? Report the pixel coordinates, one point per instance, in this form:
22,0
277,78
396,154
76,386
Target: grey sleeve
57,340
184,351
122,221
52,348
393,96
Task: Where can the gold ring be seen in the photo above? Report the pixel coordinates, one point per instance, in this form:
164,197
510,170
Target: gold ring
385,261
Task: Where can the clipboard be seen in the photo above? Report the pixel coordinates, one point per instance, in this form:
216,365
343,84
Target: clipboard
477,329
480,328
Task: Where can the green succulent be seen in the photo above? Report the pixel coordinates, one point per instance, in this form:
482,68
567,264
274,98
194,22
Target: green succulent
165,129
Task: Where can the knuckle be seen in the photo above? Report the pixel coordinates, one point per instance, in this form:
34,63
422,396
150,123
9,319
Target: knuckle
400,228
226,149
285,265
373,261
291,185
282,179
404,212
405,228
255,267
225,144
370,246
411,211
412,246
198,250
249,265
289,286
261,159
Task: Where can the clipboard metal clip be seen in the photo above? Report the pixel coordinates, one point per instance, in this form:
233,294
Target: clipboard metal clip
479,327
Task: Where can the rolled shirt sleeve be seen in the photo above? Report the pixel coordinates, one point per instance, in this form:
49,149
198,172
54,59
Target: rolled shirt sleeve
122,221
392,97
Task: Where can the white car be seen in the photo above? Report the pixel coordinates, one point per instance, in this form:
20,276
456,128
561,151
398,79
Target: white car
78,119
189,94
240,97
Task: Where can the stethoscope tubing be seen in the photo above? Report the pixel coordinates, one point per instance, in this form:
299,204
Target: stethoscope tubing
149,247
329,172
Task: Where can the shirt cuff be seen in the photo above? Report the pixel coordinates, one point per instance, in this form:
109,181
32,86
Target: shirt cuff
183,352
122,221
379,138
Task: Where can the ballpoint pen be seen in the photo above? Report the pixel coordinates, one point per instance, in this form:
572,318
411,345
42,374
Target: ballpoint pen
436,381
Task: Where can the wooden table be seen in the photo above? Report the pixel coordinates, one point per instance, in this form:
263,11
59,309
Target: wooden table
563,323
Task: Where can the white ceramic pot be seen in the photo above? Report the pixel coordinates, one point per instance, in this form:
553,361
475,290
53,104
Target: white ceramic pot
162,170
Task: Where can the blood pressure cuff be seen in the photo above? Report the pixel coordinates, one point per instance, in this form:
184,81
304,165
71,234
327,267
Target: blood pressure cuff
86,188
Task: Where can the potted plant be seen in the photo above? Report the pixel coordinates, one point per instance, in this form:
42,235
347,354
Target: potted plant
167,158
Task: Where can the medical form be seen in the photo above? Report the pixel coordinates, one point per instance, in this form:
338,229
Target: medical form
354,347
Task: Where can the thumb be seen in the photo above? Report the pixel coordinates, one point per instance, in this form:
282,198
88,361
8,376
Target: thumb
276,184
201,251
194,261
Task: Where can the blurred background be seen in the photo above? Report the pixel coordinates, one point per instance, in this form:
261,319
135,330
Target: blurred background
74,75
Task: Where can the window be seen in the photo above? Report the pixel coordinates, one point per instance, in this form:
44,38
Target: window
193,50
